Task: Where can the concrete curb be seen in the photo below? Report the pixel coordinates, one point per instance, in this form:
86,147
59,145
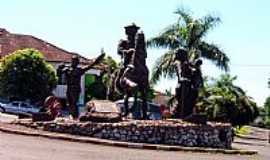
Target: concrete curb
250,137
82,139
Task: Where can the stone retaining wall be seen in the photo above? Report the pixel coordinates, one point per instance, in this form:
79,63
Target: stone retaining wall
171,132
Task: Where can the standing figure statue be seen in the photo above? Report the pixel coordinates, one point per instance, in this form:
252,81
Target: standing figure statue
189,81
183,89
73,76
133,76
196,81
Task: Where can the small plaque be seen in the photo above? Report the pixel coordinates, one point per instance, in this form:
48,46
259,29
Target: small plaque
105,106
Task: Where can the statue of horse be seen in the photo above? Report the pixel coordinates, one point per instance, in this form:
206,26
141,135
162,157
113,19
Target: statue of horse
134,77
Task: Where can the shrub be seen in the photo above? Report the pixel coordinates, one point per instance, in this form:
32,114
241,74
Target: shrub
223,101
25,75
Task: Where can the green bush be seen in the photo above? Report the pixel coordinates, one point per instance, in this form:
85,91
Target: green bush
267,123
25,75
267,106
223,101
96,89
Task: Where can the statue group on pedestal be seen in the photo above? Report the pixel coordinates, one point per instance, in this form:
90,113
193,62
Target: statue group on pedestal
133,76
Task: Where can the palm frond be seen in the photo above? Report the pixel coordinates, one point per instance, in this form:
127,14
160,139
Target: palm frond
164,66
184,15
208,22
237,91
199,28
169,38
214,54
194,29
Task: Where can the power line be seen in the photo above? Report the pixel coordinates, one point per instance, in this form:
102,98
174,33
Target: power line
250,65
246,65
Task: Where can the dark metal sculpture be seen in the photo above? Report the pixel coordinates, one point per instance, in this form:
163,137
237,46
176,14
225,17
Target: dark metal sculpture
49,111
189,81
73,75
133,76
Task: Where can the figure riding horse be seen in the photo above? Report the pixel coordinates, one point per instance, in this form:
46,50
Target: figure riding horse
133,78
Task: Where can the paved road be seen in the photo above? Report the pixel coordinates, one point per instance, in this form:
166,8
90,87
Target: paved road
260,144
18,147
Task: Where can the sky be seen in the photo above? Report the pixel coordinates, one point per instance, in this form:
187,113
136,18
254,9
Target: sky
85,26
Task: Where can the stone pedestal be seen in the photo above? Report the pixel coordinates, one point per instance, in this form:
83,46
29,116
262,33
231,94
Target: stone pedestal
169,132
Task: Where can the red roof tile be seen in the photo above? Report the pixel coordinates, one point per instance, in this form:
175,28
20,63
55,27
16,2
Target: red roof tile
10,42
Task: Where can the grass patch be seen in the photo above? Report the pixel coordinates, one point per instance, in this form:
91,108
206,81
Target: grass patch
243,130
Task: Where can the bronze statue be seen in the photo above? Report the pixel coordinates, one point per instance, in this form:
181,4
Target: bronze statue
73,75
189,82
133,76
49,111
196,81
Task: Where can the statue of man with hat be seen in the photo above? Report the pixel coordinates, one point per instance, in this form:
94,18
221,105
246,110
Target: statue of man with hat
126,47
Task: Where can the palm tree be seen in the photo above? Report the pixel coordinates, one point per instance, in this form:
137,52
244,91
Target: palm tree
187,33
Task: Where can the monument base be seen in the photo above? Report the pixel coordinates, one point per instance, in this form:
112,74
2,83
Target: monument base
196,118
169,132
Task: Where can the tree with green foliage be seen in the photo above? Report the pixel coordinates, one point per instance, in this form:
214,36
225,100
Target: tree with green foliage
97,89
267,107
103,83
189,34
109,77
111,66
266,117
223,101
25,75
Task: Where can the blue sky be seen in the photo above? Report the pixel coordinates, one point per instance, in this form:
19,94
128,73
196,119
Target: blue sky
87,26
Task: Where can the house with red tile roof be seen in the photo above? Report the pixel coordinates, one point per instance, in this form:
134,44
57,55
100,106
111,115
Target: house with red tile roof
10,42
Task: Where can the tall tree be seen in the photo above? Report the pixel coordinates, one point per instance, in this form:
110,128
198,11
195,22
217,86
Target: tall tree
187,33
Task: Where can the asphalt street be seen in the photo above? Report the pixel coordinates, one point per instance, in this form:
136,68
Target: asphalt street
18,147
